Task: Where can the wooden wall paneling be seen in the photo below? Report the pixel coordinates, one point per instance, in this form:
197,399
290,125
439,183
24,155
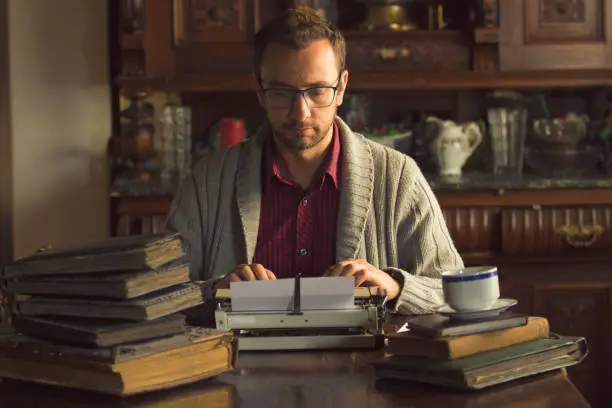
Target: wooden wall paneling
558,230
475,231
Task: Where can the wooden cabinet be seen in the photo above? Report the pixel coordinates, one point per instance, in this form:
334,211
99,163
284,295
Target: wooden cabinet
576,298
441,51
195,45
560,229
211,22
554,251
555,34
213,35
475,230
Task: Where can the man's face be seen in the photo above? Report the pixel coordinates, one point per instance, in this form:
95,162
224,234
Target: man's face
300,122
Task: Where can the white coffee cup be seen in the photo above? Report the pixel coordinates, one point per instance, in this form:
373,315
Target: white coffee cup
471,289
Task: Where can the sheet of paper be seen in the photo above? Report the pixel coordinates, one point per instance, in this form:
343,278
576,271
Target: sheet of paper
323,293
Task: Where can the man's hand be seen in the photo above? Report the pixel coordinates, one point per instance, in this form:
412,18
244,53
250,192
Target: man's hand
366,275
246,272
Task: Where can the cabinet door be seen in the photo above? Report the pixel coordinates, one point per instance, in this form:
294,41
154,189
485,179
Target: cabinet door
555,34
214,35
576,298
210,21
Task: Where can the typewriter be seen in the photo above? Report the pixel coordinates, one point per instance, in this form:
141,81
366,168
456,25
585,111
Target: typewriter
356,327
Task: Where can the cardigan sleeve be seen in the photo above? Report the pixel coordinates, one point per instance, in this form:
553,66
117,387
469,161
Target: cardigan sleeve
424,245
185,217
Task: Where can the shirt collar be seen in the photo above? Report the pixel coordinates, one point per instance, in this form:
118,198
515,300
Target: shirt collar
271,168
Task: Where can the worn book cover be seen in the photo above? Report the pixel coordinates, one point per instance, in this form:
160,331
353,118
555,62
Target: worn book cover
112,254
444,348
147,307
488,368
196,354
119,285
435,325
93,332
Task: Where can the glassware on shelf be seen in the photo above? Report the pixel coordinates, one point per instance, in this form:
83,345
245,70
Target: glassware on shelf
507,130
182,139
561,133
166,143
174,147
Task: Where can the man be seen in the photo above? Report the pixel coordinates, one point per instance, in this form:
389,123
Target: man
306,194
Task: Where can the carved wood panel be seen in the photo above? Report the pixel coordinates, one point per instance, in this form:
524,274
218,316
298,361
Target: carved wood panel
428,52
581,310
561,230
210,21
474,230
555,34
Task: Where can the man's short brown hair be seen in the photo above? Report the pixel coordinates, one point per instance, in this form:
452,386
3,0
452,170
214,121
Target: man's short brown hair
297,28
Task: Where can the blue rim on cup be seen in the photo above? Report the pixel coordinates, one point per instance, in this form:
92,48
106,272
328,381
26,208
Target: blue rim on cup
470,273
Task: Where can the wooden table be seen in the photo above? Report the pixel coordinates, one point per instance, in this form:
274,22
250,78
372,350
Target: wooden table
310,379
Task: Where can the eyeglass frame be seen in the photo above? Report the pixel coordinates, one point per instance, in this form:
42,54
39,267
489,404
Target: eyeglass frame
303,92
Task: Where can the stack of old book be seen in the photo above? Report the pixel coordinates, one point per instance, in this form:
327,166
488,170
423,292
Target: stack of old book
108,317
477,353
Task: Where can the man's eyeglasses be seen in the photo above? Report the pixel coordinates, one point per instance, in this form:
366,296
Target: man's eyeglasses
315,97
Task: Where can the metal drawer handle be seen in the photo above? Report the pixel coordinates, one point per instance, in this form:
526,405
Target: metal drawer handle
580,236
391,53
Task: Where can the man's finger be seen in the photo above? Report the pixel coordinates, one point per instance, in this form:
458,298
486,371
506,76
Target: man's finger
271,276
234,277
245,273
350,269
259,271
361,277
335,270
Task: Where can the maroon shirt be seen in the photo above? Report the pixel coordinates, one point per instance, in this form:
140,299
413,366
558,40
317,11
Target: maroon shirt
297,228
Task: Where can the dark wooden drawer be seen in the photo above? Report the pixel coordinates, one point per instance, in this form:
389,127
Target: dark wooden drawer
535,230
475,230
414,51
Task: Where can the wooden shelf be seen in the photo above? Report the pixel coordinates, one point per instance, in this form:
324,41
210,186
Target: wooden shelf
385,81
132,42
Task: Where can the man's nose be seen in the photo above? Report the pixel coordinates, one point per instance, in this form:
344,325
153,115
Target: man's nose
299,108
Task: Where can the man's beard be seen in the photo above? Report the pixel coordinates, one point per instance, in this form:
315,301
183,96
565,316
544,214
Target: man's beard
288,135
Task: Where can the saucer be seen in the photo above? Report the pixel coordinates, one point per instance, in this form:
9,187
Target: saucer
499,306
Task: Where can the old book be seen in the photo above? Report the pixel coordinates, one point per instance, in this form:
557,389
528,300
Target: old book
104,284
91,332
446,348
147,307
112,254
194,355
488,368
435,325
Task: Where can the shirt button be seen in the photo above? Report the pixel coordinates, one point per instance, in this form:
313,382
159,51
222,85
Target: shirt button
305,202
303,252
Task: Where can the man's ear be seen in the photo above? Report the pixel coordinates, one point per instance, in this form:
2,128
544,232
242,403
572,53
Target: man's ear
342,88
